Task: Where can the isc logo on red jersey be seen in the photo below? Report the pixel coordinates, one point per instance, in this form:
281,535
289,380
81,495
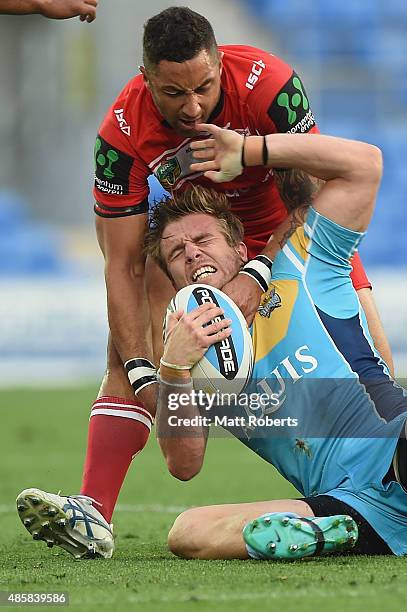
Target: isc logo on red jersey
124,126
257,69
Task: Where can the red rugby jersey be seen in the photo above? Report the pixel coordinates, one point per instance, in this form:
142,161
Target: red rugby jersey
260,94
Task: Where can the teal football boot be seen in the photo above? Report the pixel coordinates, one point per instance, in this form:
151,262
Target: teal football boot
286,535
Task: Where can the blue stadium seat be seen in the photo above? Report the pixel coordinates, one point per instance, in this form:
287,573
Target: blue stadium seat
393,10
12,211
33,251
281,12
27,247
354,107
340,12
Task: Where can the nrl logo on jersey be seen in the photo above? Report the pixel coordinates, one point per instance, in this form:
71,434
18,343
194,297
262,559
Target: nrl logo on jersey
270,302
124,126
168,172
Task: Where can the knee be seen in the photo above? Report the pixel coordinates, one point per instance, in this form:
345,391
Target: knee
185,538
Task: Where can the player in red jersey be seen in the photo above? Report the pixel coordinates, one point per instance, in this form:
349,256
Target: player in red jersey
54,9
186,80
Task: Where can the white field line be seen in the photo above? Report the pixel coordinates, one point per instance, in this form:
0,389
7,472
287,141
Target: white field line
194,598
156,508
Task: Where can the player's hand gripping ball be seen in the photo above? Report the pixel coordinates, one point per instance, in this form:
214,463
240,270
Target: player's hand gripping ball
227,365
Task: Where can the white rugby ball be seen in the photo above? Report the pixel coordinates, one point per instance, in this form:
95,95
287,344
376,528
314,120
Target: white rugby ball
226,366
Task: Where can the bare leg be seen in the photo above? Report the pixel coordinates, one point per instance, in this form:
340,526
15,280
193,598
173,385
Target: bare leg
215,532
115,381
160,292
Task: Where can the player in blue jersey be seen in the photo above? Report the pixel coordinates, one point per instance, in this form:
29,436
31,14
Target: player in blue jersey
313,353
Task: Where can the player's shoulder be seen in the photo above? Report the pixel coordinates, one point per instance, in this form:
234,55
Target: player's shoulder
130,115
250,66
270,89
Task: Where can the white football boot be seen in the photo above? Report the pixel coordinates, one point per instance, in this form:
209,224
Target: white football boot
70,522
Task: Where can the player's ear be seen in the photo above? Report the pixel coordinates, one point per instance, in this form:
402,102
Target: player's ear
241,250
220,56
145,76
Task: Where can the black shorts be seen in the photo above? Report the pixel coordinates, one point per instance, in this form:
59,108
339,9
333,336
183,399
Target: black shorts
369,542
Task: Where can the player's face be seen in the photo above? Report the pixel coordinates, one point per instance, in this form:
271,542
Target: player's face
186,93
196,251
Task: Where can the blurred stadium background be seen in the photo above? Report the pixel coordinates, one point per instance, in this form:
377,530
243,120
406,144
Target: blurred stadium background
57,82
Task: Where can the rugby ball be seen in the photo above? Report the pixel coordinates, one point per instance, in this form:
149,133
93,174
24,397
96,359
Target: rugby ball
226,366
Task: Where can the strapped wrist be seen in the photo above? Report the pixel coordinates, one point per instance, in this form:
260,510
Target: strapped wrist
141,373
169,374
259,269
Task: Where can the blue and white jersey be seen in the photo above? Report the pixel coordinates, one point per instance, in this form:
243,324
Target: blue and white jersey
315,357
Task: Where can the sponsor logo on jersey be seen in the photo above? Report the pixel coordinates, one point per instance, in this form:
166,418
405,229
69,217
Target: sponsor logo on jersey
225,350
168,172
112,168
290,110
292,367
288,371
173,166
124,126
257,69
270,302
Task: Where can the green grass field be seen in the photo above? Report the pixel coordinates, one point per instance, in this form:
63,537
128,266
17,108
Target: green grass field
43,436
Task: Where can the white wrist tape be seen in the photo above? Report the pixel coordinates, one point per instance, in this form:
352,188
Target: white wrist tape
259,269
141,373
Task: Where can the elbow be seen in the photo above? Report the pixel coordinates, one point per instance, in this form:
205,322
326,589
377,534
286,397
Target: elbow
184,471
372,165
184,457
376,163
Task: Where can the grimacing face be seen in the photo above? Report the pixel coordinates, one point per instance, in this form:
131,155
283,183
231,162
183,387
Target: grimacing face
196,251
186,93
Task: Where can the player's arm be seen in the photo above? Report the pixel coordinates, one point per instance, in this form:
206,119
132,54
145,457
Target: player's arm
54,9
294,193
182,430
351,169
121,241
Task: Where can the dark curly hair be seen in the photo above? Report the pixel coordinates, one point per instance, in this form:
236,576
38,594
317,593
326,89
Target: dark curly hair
177,34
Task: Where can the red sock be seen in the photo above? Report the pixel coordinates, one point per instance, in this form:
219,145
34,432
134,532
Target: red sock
118,430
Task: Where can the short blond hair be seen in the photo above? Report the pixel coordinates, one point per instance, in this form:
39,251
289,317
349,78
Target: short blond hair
195,200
